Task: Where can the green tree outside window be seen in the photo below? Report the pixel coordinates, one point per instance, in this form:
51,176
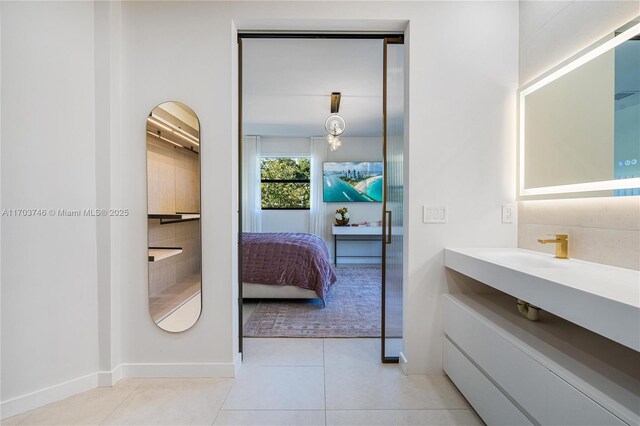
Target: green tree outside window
286,182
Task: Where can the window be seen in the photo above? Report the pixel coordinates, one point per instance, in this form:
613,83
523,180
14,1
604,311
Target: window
285,182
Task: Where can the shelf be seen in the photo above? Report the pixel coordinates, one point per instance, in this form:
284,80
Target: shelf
173,218
601,298
160,253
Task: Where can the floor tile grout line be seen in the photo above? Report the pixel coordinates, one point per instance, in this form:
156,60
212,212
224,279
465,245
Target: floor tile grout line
343,409
324,380
223,401
272,409
121,402
25,419
400,409
284,366
31,412
128,394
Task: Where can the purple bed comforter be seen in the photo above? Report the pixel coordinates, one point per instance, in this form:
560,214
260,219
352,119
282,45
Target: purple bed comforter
287,259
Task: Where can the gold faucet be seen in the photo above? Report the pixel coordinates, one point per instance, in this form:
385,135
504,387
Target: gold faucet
562,245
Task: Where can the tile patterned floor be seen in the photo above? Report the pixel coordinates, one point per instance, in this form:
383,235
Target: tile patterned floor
282,382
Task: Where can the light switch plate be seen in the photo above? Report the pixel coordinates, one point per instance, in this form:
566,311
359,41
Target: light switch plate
434,214
508,213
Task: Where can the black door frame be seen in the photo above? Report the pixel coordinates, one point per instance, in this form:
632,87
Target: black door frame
387,38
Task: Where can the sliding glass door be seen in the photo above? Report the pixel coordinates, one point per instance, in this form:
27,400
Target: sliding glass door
393,151
393,145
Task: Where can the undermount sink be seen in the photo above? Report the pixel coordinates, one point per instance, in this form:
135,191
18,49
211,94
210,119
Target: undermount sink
527,259
602,298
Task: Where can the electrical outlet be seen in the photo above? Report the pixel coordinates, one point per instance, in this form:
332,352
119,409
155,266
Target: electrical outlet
508,211
434,214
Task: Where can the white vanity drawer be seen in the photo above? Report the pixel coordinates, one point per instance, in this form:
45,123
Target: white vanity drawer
568,406
486,399
488,339
519,375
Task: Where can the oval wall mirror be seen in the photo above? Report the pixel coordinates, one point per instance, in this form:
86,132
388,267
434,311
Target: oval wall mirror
173,222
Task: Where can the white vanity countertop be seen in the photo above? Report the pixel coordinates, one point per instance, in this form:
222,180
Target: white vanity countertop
604,299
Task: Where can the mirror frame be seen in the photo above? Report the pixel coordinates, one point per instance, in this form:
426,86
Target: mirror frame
157,324
577,189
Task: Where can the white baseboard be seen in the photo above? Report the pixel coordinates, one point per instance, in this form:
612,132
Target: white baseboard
109,378
39,398
20,404
237,363
403,363
116,375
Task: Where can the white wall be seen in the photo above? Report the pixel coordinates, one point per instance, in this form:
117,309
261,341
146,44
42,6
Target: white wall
603,229
283,146
460,149
462,62
49,275
552,31
107,95
150,77
285,221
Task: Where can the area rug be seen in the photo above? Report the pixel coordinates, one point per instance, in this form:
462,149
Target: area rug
353,310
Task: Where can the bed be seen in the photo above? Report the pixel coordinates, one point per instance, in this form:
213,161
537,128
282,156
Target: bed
285,265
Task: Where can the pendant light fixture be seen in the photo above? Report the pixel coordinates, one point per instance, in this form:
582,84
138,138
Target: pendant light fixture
334,124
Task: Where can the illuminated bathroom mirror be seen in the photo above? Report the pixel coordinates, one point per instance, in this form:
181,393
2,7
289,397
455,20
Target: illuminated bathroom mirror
173,222
580,124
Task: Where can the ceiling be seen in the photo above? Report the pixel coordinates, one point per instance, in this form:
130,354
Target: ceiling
287,85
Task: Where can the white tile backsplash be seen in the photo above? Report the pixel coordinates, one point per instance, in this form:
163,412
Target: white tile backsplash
603,212
602,230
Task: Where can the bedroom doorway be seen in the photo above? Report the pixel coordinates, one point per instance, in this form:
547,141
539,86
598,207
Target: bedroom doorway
297,175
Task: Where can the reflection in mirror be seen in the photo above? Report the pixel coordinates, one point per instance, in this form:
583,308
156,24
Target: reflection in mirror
173,225
580,129
627,114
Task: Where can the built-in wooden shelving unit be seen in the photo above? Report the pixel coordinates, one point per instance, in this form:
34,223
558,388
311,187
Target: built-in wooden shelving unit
160,253
172,218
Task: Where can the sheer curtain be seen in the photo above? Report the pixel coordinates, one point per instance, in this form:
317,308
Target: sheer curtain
251,202
317,219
